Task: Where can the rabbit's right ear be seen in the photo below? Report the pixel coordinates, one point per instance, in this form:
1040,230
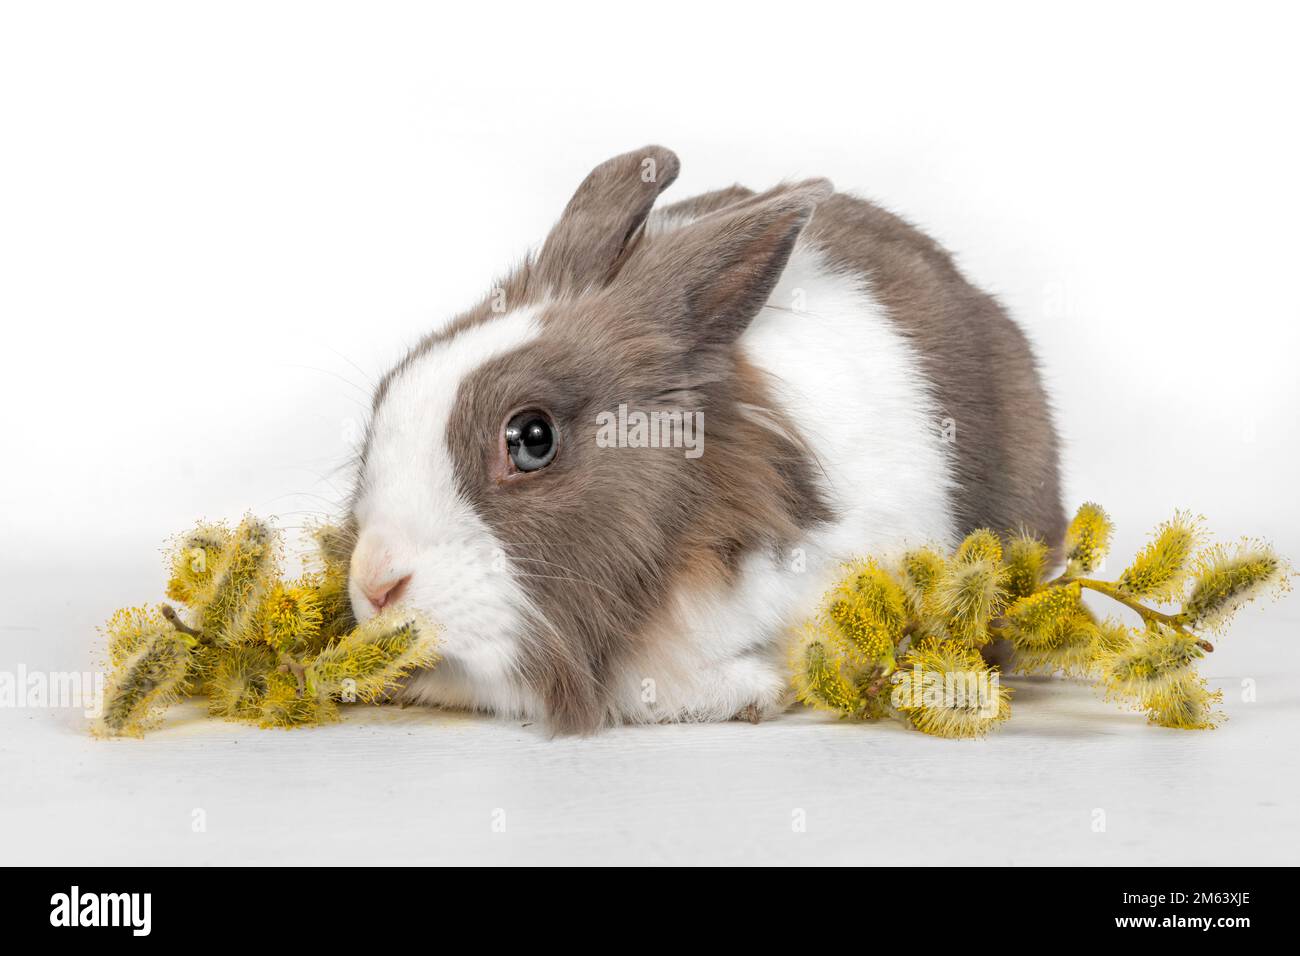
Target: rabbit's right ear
603,218
705,284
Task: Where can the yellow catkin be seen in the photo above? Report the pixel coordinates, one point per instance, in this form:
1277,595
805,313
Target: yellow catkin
1228,577
283,704
923,571
148,682
1072,654
945,689
1039,621
371,661
1153,661
970,596
1159,571
867,612
1087,539
819,678
1113,637
980,545
1024,565
238,683
248,567
203,661
193,560
1185,704
289,617
333,554
129,629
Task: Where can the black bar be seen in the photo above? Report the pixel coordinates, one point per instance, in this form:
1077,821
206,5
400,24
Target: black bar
1216,904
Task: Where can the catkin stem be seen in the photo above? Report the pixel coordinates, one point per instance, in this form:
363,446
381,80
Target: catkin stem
175,621
290,666
1149,615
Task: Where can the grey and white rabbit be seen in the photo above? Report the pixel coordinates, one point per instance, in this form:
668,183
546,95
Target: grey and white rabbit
856,394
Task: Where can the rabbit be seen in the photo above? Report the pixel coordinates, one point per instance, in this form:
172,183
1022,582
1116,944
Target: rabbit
854,395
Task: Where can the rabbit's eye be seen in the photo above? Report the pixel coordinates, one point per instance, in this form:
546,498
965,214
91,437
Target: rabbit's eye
530,440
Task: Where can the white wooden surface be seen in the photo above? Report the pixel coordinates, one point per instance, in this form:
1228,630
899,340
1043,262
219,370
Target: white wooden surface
416,786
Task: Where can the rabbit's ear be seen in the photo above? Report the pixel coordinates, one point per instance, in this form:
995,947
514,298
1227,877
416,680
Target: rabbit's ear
585,248
708,280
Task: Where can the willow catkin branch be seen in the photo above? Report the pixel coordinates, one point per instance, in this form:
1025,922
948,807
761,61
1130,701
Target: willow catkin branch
1150,616
990,588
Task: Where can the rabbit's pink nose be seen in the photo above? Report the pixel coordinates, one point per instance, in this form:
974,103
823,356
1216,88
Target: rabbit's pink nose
382,594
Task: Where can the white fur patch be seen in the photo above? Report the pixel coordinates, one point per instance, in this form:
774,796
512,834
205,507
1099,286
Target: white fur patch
855,389
413,520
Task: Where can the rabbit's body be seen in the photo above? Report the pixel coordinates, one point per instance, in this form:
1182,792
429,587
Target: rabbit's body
857,396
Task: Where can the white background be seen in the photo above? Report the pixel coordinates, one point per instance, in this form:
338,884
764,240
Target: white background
219,222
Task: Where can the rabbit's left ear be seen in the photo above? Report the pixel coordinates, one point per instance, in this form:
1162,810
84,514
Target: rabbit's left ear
603,218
